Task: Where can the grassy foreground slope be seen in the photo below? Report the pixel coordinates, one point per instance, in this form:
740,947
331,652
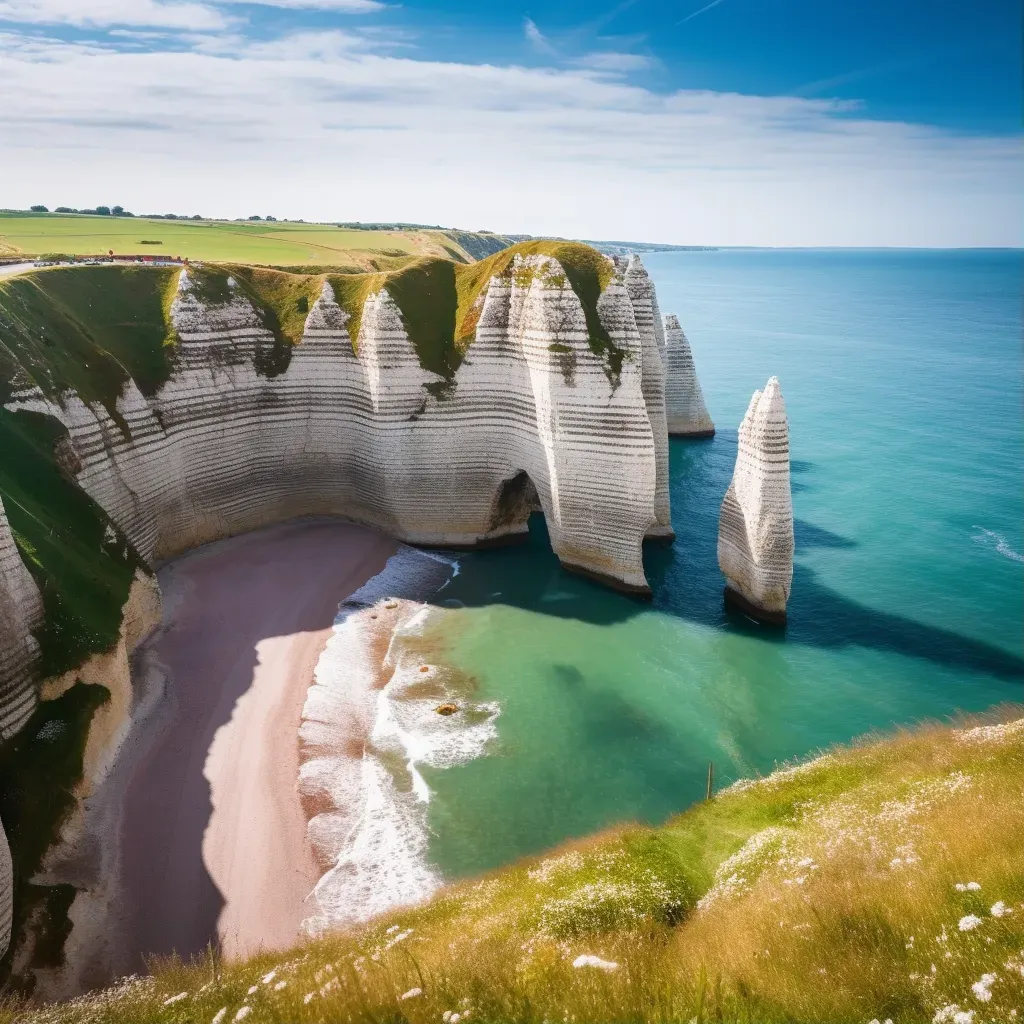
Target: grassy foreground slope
259,242
881,882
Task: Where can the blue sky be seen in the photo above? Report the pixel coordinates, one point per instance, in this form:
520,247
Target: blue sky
723,122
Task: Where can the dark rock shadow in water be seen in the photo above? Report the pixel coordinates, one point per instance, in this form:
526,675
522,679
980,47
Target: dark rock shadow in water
687,583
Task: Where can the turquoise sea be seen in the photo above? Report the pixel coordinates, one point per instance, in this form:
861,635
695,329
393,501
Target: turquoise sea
902,375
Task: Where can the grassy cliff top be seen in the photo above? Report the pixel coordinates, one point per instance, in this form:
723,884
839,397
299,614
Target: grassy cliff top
439,299
882,881
251,242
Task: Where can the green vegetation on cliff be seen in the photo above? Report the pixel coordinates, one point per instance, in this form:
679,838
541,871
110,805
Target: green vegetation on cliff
479,244
884,881
86,330
440,301
39,769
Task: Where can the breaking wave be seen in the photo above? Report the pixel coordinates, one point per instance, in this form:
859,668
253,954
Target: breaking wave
370,723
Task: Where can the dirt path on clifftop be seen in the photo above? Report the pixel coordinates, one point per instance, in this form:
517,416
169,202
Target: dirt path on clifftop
213,837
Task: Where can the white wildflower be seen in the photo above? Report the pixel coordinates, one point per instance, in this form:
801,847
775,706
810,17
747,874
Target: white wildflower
308,998
393,928
280,985
252,988
268,978
243,1013
990,733
952,1014
1000,909
412,993
967,887
969,922
175,999
219,1016
983,989
589,960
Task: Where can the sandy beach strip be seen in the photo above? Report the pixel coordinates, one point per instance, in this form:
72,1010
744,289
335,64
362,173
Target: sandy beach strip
213,835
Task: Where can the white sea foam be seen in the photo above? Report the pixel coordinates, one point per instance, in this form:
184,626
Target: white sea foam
989,538
369,725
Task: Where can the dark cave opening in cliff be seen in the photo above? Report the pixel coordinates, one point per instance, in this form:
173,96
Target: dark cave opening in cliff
517,498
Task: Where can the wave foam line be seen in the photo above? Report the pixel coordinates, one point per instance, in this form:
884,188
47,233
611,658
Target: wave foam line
992,539
368,724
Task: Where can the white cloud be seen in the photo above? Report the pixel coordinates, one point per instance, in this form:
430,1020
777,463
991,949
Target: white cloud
315,127
81,13
346,6
535,37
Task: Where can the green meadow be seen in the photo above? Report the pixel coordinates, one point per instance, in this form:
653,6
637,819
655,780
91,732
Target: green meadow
261,242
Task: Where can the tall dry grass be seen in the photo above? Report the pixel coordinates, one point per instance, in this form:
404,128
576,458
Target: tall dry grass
885,882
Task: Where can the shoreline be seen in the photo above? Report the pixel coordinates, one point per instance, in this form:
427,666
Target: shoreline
370,721
212,843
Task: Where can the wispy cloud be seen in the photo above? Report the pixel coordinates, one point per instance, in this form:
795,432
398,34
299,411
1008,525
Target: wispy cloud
82,13
690,17
329,128
536,38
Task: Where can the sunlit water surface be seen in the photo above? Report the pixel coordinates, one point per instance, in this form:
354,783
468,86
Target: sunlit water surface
902,376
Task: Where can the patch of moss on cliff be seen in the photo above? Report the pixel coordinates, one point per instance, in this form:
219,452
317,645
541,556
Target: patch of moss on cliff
82,564
351,292
281,302
87,329
39,769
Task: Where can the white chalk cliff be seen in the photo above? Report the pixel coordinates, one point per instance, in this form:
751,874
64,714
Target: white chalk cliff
533,418
21,611
755,531
685,410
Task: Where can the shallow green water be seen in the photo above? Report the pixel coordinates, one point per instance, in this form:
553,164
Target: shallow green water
902,376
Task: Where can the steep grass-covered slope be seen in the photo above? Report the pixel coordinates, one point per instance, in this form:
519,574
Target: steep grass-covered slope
879,882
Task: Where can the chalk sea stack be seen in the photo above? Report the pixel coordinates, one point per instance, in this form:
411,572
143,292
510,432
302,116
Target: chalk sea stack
755,528
685,410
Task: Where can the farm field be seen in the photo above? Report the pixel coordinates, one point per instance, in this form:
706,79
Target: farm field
275,243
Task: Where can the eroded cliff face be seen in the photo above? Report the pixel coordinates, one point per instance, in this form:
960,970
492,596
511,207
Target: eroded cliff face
21,612
644,301
557,403
755,533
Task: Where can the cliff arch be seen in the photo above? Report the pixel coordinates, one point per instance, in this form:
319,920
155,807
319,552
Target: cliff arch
514,500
